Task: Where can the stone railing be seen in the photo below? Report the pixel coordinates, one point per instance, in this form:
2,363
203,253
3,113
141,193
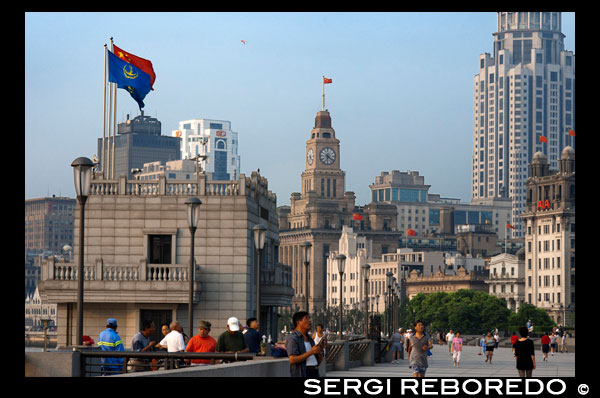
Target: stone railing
60,271
252,186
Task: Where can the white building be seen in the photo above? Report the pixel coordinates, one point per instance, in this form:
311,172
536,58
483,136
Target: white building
36,310
213,139
507,278
525,90
357,250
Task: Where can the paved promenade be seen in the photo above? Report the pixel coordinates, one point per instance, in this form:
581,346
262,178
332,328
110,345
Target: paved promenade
471,365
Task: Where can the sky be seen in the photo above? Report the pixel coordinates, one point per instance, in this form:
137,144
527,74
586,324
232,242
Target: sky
401,97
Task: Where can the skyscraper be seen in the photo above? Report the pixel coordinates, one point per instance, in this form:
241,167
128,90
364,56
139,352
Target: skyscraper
524,95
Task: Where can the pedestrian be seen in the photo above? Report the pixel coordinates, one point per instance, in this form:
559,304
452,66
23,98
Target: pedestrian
449,338
489,347
457,344
110,341
513,340
232,340
563,345
418,345
165,330
304,355
87,340
201,342
174,339
482,345
524,354
396,342
141,343
252,336
545,346
553,343
497,338
320,335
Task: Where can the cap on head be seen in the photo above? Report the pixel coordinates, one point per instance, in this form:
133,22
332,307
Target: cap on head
234,324
204,324
111,322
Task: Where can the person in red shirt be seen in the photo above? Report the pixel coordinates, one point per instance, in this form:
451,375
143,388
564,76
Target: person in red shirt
202,342
545,345
513,340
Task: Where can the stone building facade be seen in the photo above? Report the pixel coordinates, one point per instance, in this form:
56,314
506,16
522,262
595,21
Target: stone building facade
549,222
137,249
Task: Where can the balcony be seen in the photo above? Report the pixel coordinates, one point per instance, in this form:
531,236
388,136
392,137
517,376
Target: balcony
126,283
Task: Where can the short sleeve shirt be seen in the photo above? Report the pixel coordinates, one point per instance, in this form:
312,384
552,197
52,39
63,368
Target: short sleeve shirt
228,342
201,344
418,356
457,341
139,342
173,341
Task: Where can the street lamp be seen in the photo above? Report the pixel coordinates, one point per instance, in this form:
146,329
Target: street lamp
82,174
259,242
193,211
389,275
366,269
341,264
305,248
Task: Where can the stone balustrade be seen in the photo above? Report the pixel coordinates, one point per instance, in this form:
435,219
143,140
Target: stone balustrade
252,186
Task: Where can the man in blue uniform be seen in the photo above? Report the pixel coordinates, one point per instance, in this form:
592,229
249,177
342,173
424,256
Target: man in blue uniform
109,340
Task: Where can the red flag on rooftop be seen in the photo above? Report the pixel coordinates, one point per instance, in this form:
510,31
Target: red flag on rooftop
509,226
356,216
410,232
571,133
543,139
326,80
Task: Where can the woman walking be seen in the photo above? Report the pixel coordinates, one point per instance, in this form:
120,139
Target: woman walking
524,354
489,347
457,344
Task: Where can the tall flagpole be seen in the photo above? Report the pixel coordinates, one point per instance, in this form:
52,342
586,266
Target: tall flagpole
323,108
114,113
104,169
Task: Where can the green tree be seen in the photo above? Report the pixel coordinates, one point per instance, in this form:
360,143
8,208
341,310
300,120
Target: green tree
538,316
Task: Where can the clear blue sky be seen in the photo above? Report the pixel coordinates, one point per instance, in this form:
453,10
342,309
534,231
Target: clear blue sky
401,97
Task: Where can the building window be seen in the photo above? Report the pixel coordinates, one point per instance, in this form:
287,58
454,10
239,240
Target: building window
159,249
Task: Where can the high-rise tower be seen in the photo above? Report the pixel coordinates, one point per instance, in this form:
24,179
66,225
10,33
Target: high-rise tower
525,91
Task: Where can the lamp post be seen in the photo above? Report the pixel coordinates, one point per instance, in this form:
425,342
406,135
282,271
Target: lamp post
389,275
193,211
305,248
366,269
82,174
259,242
341,263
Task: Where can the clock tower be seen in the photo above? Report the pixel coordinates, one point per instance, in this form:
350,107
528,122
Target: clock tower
316,214
323,174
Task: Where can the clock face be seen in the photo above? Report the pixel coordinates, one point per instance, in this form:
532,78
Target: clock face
310,156
327,155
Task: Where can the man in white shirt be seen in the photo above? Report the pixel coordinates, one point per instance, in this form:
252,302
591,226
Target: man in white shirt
449,338
174,340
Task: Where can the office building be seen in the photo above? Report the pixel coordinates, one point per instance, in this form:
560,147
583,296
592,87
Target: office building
214,142
524,91
138,141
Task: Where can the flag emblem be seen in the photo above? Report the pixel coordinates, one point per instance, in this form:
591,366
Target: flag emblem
130,74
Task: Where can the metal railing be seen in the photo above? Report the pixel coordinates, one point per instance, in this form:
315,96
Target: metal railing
133,361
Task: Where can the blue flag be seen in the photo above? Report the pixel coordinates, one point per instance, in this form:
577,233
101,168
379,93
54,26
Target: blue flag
128,77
